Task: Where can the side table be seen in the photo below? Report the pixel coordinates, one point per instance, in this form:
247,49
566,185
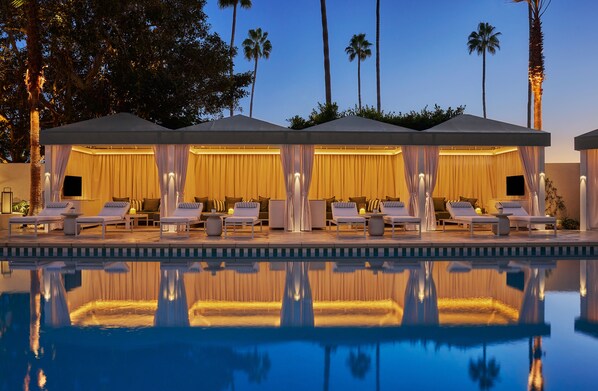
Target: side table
214,224
376,224
504,226
70,223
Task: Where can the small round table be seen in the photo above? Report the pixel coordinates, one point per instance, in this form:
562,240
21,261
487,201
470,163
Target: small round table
214,224
504,226
70,223
376,224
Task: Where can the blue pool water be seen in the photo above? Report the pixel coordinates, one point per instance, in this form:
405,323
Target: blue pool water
298,326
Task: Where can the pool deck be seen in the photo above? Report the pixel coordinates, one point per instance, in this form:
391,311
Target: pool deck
144,244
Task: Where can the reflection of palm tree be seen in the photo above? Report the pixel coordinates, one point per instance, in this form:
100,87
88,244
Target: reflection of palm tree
260,367
359,364
535,380
483,372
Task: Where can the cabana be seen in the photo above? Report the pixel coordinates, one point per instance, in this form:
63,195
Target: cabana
587,145
351,156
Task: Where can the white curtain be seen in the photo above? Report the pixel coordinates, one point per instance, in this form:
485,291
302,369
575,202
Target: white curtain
431,157
287,158
411,176
297,303
592,188
172,308
421,300
529,159
532,307
181,162
307,167
161,156
59,154
56,310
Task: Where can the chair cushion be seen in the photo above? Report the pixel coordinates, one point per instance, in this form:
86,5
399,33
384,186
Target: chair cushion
151,204
472,201
350,219
439,204
229,202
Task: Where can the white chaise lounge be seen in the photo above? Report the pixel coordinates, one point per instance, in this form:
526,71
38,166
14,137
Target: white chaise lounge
345,213
398,216
463,213
52,213
244,214
112,213
185,214
520,217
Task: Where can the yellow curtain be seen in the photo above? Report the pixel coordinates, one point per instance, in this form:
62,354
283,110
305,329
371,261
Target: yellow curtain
247,176
506,164
344,176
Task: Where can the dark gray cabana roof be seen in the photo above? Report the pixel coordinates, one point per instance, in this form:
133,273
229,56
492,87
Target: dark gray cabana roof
587,141
471,130
121,128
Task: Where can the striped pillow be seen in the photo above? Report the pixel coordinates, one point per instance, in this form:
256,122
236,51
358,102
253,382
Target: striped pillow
136,204
219,206
373,205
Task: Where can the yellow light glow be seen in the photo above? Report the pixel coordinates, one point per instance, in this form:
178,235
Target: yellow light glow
361,211
231,211
132,211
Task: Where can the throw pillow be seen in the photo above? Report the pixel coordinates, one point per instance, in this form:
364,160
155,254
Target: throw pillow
204,201
472,201
329,202
388,198
219,206
361,202
137,205
373,205
120,199
439,204
151,204
229,202
264,202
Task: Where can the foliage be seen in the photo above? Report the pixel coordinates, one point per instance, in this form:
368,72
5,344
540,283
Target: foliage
256,46
324,113
483,40
554,203
569,223
155,59
21,207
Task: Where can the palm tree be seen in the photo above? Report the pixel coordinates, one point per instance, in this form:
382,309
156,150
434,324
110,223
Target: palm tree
536,57
326,52
482,41
34,80
483,372
256,46
359,48
233,3
378,104
359,363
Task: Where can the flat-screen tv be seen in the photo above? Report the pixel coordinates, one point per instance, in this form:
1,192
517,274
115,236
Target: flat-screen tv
72,186
515,185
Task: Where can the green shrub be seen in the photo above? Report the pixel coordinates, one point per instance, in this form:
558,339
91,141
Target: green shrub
21,207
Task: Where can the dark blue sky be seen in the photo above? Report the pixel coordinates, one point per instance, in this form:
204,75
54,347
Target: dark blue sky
424,59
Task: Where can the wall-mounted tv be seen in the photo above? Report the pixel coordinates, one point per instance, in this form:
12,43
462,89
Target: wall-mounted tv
72,186
515,185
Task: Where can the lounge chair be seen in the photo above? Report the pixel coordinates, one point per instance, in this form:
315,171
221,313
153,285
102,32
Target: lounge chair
345,213
112,213
244,214
397,215
520,217
463,213
185,214
52,213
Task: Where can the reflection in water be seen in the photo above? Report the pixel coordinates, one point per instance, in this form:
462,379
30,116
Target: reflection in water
532,308
484,372
421,301
56,310
297,305
172,300
535,380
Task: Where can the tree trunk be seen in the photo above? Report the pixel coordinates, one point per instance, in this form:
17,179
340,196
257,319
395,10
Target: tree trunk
232,51
536,70
359,82
529,84
253,89
326,53
378,104
484,82
34,80
537,89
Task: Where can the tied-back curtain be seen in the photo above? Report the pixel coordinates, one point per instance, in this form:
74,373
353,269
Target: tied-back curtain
60,158
172,308
529,159
297,303
592,187
307,167
161,156
181,162
431,157
411,176
287,158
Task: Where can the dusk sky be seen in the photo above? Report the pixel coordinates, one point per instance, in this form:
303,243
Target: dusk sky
424,60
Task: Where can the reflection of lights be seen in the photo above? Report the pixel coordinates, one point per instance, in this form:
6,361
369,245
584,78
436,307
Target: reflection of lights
41,379
296,297
583,291
171,296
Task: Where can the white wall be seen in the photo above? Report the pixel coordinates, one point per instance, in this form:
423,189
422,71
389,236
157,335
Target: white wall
565,177
16,176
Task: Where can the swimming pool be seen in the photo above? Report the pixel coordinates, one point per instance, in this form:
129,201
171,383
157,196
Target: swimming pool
354,325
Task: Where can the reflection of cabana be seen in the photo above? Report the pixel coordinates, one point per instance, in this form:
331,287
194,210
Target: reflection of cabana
297,305
421,300
588,298
56,310
587,145
172,300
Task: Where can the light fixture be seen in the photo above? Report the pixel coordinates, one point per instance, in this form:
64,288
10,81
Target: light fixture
132,211
5,268
361,211
231,211
171,174
297,175
421,175
542,175
6,200
583,178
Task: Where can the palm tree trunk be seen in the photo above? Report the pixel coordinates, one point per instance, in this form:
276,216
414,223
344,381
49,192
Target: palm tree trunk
253,89
378,366
537,89
484,82
378,104
529,84
359,83
232,51
326,368
34,81
326,53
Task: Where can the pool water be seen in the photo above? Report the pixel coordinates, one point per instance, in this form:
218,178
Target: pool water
410,325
